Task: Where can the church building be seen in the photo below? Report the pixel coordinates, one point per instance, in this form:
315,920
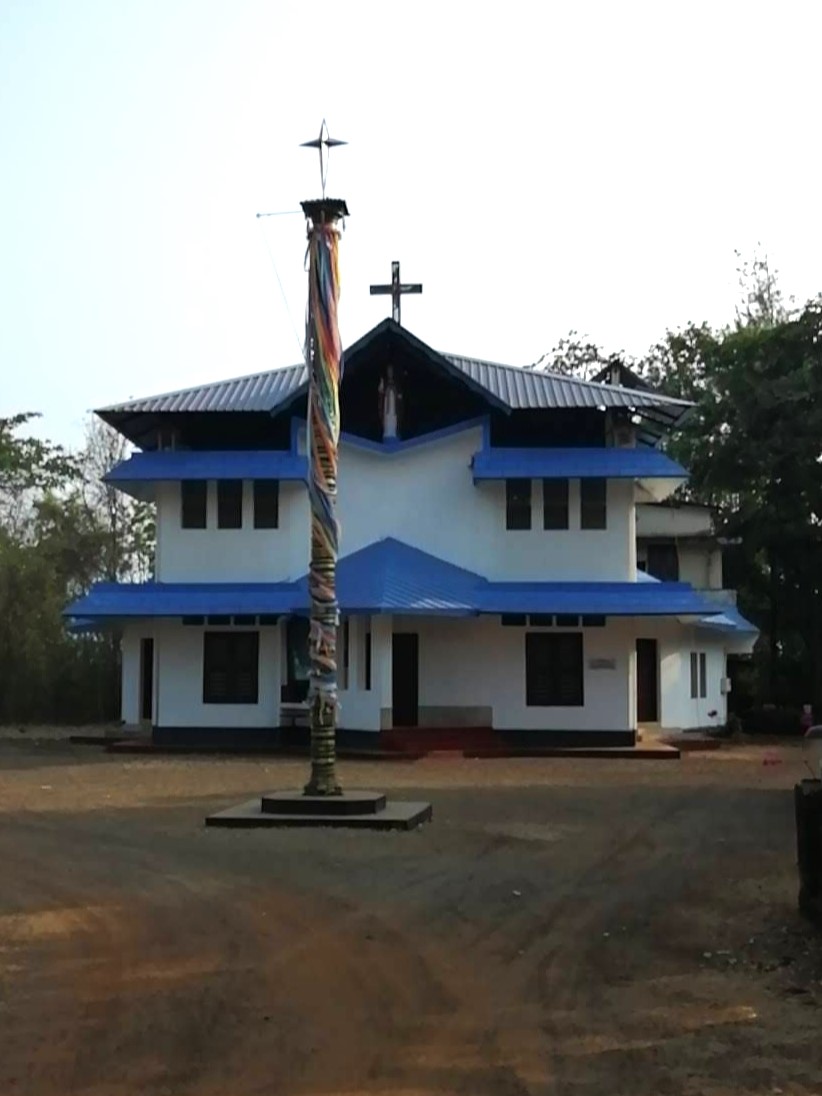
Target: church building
509,561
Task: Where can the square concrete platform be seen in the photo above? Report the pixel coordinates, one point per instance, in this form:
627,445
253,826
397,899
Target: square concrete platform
355,810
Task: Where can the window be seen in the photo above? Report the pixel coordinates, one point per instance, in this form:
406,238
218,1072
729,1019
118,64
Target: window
218,619
193,621
513,620
229,504
244,621
231,663
555,504
567,620
553,670
593,620
592,503
194,494
266,504
663,562
699,675
541,620
518,504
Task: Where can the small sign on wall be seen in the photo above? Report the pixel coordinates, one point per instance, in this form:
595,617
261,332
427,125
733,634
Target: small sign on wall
601,663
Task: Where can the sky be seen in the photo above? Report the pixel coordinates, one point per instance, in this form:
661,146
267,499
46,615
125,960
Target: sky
539,167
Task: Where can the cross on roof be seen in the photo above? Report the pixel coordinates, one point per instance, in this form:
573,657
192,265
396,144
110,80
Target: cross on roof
396,289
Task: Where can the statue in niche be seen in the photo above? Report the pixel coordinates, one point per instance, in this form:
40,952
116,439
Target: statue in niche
390,405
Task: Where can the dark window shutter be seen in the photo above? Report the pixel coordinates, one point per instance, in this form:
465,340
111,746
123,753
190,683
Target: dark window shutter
518,504
555,504
554,670
193,494
266,504
663,562
231,664
593,495
229,504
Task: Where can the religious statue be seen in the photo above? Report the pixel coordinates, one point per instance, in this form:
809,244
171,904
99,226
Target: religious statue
390,405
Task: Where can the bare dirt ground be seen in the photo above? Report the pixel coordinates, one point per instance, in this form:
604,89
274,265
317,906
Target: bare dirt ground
567,927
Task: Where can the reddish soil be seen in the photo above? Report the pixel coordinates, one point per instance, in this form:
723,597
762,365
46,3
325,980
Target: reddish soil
620,928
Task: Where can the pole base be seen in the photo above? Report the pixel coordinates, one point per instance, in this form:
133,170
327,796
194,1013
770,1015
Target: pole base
354,810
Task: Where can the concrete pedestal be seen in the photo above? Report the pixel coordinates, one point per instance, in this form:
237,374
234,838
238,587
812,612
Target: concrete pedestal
356,810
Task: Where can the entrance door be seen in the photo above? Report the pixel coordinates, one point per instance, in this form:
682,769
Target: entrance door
647,681
146,680
405,685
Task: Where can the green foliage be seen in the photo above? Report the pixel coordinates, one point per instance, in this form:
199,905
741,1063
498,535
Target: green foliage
61,530
753,446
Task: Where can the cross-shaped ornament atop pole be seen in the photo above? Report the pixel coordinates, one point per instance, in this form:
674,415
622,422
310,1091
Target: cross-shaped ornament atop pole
396,289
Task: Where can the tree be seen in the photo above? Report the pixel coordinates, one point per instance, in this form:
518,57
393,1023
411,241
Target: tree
574,356
61,529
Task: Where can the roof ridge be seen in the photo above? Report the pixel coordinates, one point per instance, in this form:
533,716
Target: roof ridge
597,386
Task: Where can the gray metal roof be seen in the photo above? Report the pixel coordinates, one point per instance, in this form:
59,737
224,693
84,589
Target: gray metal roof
256,392
514,387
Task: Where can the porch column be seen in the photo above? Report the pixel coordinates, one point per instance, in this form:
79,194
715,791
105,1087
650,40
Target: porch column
382,628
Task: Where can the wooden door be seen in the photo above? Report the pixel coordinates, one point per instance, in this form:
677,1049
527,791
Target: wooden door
405,686
647,681
146,680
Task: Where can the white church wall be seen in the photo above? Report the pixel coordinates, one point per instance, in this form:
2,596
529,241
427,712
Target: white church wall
232,555
179,681
424,496
480,664
701,565
678,709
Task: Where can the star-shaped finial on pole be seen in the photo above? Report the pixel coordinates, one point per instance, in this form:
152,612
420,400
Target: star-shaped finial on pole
324,143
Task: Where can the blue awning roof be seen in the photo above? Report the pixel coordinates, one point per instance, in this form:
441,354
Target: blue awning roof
566,463
392,577
136,474
729,619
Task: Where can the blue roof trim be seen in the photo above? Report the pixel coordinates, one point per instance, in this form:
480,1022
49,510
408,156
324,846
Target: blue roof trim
180,464
578,463
595,598
392,577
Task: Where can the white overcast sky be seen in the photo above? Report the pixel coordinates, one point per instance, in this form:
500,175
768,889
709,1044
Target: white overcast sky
538,166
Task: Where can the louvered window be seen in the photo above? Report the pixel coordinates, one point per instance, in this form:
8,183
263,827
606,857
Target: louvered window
229,504
231,665
518,504
593,508
193,495
553,670
266,504
555,504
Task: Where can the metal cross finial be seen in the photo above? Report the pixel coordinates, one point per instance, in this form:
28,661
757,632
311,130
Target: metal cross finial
396,288
324,142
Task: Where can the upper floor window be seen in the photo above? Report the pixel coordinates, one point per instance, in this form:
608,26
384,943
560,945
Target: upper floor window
555,504
518,504
663,562
229,504
194,494
266,504
593,511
